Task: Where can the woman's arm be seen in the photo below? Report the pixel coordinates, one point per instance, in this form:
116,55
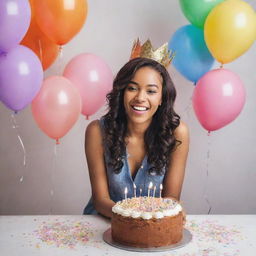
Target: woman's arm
175,174
95,160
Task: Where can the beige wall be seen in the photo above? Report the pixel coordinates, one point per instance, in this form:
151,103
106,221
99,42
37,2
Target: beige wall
109,31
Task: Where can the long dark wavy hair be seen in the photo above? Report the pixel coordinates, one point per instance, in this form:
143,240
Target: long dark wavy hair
159,138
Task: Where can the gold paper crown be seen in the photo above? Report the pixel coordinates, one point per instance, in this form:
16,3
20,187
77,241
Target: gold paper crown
161,55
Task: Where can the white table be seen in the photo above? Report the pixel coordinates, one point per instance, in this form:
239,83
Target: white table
213,235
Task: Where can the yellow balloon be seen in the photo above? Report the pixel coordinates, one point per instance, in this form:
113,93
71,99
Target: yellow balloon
230,30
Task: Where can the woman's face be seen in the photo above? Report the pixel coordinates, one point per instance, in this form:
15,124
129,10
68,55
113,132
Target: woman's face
143,95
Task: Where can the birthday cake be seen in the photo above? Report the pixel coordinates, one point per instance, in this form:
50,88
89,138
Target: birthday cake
146,222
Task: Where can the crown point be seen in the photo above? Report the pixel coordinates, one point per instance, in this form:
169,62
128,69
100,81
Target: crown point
161,55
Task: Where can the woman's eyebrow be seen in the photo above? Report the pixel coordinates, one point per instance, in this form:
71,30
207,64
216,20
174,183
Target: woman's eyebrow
148,85
132,82
153,85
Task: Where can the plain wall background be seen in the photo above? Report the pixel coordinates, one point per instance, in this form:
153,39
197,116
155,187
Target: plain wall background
220,168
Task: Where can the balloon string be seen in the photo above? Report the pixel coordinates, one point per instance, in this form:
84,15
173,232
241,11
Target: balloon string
188,108
40,50
15,126
60,60
207,175
52,179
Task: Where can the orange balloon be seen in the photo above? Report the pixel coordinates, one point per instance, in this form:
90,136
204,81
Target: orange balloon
46,50
60,20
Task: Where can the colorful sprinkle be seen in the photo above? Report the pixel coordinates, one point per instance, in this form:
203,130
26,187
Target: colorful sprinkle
211,231
64,234
148,204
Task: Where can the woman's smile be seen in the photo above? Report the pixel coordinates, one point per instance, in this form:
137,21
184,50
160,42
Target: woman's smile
139,109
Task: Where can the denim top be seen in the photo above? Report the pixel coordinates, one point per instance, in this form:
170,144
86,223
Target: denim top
118,181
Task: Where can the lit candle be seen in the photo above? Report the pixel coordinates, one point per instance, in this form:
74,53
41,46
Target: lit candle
161,188
134,189
153,199
140,196
150,185
125,193
154,191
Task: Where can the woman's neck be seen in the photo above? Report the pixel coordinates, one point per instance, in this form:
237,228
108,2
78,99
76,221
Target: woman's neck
137,130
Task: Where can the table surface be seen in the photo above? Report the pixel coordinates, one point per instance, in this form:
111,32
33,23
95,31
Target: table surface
213,235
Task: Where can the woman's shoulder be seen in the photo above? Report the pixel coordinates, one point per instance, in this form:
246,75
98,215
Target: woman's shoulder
182,131
93,128
95,124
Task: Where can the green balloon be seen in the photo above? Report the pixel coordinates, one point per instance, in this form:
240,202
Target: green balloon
196,11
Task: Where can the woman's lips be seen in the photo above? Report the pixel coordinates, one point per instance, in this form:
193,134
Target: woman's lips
139,109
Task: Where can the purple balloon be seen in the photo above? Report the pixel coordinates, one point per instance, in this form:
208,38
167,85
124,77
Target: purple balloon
15,18
21,76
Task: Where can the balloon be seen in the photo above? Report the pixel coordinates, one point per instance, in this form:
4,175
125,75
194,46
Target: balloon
196,11
192,58
14,22
230,30
93,78
21,76
57,106
60,20
39,43
218,98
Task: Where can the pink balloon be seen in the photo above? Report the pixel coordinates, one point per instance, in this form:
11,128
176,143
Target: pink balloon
57,106
218,98
93,78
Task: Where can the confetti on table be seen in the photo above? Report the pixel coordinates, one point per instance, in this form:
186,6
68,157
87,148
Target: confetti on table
64,234
211,231
212,238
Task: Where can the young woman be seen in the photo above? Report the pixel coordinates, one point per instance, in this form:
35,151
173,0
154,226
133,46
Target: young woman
140,140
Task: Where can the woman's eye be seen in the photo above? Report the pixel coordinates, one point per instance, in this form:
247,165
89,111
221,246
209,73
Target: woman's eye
131,88
151,91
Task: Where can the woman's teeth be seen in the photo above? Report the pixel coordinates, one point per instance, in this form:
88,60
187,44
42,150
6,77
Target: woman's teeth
139,108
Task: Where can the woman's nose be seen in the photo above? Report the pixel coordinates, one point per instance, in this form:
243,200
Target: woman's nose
140,96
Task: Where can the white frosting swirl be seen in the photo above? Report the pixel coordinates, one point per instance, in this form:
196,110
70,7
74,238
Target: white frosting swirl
146,215
135,214
147,208
158,215
126,213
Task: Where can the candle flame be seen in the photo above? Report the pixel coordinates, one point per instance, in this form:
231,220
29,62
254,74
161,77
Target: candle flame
150,185
161,186
126,190
134,185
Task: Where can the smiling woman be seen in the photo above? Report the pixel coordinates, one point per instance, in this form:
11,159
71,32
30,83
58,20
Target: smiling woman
140,140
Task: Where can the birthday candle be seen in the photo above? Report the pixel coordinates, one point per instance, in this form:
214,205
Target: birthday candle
154,191
134,189
140,196
160,195
125,193
161,188
150,185
153,199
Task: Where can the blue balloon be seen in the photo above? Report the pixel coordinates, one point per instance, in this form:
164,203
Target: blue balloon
192,57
